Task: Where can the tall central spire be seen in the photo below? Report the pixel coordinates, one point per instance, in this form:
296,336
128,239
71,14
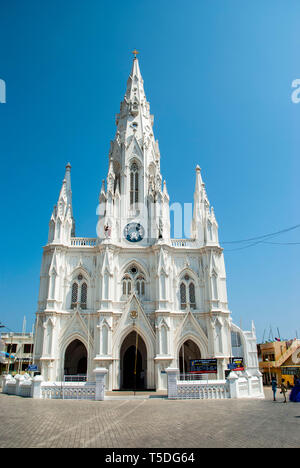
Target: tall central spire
134,118
134,132
134,181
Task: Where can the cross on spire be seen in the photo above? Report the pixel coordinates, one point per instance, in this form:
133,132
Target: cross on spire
135,52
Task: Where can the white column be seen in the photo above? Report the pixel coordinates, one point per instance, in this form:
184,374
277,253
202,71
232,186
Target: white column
100,373
19,379
172,382
36,386
232,380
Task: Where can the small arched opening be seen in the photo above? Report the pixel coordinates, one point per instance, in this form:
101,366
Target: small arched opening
188,352
75,359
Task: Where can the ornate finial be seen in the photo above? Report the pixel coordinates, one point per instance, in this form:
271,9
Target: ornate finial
135,52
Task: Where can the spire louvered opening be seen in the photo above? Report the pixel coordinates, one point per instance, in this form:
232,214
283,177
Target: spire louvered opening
134,184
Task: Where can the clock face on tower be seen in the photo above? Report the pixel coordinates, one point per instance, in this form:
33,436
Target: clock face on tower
134,232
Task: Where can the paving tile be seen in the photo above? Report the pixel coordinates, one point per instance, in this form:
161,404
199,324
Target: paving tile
148,423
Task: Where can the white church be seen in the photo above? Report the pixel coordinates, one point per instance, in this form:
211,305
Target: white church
133,300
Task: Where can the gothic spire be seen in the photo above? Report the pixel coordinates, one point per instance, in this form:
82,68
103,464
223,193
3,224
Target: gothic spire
62,223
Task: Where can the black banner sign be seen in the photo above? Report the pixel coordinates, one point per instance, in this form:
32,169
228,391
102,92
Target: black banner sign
204,366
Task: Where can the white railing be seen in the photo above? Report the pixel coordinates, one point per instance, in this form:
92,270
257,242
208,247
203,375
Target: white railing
83,241
68,390
240,384
183,243
25,386
202,390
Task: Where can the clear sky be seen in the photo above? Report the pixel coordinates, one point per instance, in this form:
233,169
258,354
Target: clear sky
218,75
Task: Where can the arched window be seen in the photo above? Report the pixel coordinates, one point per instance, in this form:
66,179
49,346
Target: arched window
83,295
126,285
235,339
140,286
74,295
79,293
187,293
192,295
134,184
182,296
133,279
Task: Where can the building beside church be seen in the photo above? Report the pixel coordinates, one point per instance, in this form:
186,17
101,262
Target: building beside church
16,352
133,286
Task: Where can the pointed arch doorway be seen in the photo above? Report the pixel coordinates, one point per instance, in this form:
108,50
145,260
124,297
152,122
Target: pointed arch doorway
188,351
132,357
75,359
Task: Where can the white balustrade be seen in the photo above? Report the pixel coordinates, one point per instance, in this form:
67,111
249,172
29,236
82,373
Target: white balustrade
37,388
202,390
237,385
68,390
190,243
83,241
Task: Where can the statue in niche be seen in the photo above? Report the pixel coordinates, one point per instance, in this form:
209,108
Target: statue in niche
107,231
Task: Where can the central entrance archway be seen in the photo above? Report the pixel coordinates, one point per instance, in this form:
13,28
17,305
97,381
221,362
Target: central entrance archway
131,357
75,359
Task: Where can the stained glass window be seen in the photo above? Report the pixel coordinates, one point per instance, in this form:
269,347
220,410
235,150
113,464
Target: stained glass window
134,277
192,295
74,295
183,295
187,293
126,282
140,285
83,295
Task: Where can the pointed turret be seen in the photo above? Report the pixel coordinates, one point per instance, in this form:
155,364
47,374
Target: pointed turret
62,224
197,228
204,223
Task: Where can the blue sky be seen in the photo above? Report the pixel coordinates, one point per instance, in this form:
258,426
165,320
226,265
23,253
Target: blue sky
218,77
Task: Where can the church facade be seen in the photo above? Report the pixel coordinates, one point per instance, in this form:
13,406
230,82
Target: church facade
133,300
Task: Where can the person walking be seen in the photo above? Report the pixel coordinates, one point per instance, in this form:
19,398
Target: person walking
283,390
274,387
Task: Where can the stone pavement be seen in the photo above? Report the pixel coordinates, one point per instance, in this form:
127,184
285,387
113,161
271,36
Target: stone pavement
148,423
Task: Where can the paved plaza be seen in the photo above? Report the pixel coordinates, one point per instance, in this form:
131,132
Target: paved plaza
148,422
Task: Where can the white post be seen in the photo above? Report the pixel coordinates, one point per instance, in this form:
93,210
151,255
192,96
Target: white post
100,373
19,379
232,380
172,382
4,382
36,386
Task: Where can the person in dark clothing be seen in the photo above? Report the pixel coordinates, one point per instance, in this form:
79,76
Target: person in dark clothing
295,393
283,390
274,387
